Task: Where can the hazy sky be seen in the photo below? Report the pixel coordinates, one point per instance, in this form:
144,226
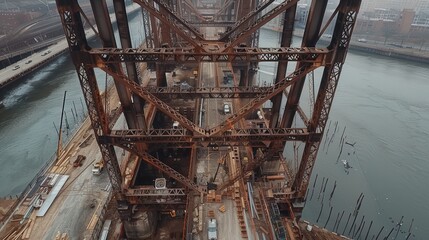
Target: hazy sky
395,4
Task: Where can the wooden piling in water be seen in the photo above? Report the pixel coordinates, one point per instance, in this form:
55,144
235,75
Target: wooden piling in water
348,219
369,228
329,217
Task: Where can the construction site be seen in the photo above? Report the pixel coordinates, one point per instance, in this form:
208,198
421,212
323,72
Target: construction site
192,146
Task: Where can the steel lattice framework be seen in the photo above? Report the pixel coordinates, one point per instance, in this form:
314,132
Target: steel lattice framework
173,36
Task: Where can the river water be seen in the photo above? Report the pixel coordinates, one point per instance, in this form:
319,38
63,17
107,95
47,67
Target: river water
381,102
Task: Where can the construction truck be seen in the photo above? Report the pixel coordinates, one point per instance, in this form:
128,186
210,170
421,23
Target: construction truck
97,167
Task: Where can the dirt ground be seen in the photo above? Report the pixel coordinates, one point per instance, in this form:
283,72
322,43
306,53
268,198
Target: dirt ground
5,204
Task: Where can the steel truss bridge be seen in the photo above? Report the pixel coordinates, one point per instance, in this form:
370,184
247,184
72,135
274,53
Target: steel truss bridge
174,36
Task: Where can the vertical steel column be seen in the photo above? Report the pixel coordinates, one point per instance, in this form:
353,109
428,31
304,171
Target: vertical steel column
286,41
229,11
348,10
244,76
154,26
173,4
246,7
105,30
124,34
312,29
255,38
75,35
165,29
148,38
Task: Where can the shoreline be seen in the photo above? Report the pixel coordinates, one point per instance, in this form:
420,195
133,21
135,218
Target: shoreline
409,54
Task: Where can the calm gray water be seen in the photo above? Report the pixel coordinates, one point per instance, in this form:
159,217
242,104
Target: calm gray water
381,102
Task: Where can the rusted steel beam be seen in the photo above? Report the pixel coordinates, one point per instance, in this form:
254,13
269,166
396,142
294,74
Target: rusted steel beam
151,204
300,111
152,192
125,38
192,8
75,35
225,6
286,41
259,23
260,99
205,92
153,161
229,122
250,167
178,28
191,55
213,23
310,38
105,29
161,105
346,19
179,19
188,219
243,21
180,136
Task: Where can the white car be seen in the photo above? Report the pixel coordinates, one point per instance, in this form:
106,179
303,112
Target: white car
226,108
212,229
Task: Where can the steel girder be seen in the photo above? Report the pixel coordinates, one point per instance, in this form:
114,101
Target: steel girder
153,161
241,137
230,121
259,23
125,38
346,19
177,26
250,167
213,23
300,111
286,41
192,8
225,6
259,99
240,23
205,92
310,38
107,37
161,105
151,192
144,205
147,29
192,55
75,35
178,18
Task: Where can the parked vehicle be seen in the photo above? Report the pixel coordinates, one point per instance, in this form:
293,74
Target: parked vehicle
212,229
79,161
226,108
98,167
